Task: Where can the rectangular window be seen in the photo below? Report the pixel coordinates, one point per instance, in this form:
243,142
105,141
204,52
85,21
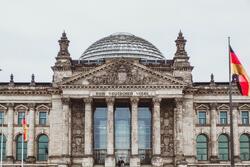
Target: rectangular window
202,118
21,115
223,117
245,117
42,118
1,118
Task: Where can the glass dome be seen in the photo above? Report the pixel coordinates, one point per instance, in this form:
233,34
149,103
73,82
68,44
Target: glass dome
122,45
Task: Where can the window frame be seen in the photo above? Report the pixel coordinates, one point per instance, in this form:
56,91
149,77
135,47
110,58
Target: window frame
39,118
2,117
43,149
19,144
19,119
245,148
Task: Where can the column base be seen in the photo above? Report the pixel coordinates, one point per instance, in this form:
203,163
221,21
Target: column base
9,159
157,161
134,161
237,159
110,161
180,160
214,159
31,159
88,161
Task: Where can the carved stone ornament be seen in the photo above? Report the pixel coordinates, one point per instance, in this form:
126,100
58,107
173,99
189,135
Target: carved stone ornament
110,100
156,100
134,100
87,100
124,74
66,100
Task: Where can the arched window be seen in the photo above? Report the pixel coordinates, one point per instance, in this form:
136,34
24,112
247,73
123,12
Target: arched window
3,146
244,147
223,145
100,134
202,147
42,148
19,141
144,134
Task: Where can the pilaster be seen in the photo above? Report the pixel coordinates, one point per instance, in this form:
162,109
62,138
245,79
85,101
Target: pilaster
236,133
9,144
88,137
31,141
156,159
213,132
179,156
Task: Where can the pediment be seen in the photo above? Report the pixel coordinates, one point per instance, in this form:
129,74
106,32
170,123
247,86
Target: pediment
122,72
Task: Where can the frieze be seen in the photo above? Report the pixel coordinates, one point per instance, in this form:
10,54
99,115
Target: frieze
122,93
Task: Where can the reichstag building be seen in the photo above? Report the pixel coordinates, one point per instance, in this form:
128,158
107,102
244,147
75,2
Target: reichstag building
123,101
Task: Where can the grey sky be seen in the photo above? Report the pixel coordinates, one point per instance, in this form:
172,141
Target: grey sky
29,30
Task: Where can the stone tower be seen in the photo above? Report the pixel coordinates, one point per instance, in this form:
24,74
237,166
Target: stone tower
62,67
181,66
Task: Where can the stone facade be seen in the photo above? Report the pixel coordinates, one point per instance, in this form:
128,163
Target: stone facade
63,128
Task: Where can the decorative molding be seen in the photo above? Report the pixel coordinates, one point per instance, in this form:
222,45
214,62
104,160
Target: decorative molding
42,107
244,107
223,107
21,107
3,108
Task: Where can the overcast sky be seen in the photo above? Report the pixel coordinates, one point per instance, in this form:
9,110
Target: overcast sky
30,29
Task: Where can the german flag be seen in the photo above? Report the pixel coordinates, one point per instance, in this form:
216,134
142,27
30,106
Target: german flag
239,74
25,130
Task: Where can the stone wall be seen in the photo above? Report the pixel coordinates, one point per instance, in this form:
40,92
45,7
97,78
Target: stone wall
77,128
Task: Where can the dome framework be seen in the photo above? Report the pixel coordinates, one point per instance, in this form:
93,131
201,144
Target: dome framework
122,45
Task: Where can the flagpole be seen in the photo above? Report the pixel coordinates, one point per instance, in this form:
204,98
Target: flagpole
2,145
231,110
22,147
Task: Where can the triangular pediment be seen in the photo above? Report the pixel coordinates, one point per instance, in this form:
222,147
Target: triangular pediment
122,72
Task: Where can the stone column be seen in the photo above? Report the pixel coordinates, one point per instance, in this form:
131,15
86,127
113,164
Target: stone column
110,158
214,147
65,109
88,139
236,133
179,157
156,159
134,159
31,141
9,144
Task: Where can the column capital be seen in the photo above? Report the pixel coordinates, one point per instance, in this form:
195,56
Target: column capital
88,100
178,101
213,106
156,100
65,100
134,100
110,100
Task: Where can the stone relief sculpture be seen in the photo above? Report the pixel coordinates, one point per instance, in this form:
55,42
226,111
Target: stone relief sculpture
77,128
167,129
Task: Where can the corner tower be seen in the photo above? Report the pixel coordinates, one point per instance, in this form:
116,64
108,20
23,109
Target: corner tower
62,67
181,66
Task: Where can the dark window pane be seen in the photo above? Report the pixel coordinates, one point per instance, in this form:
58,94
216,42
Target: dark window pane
202,147
1,118
245,117
223,145
42,153
244,147
19,148
42,118
21,115
223,117
3,138
202,118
